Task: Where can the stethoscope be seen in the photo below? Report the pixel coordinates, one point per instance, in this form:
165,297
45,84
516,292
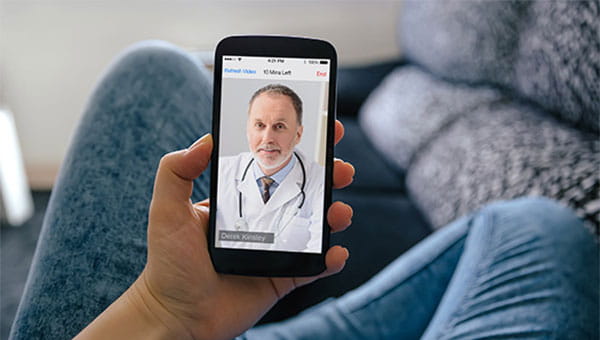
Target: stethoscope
241,223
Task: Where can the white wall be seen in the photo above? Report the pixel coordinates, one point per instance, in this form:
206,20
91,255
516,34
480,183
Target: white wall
52,52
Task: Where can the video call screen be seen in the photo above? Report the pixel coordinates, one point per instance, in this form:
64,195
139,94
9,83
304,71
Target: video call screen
272,150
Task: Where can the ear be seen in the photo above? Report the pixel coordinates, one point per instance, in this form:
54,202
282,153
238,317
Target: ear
299,134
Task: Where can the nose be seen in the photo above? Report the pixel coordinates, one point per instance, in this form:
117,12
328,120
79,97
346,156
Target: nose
268,135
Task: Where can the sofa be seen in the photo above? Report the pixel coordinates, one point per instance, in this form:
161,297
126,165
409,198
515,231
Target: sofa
490,101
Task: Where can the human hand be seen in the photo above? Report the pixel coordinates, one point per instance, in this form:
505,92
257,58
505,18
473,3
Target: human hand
179,293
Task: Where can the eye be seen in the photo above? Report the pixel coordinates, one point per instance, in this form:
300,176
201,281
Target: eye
279,126
259,125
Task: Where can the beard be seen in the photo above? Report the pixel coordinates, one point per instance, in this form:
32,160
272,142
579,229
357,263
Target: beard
270,162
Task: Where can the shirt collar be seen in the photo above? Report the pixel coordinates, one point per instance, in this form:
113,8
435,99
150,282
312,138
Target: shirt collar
280,175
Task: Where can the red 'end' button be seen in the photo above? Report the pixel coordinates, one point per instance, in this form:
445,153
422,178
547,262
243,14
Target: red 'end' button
321,74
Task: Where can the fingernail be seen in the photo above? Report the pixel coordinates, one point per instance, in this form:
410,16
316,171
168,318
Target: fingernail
353,169
202,140
347,253
351,210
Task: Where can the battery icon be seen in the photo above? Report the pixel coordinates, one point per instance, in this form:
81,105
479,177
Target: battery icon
324,62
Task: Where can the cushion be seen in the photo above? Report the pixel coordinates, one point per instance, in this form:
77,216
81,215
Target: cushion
503,151
545,51
463,146
355,83
410,107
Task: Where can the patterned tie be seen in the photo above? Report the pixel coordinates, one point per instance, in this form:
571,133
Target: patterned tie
266,184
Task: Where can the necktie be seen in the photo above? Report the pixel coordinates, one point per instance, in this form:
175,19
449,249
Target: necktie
266,184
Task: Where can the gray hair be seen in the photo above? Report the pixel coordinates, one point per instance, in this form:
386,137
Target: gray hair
284,90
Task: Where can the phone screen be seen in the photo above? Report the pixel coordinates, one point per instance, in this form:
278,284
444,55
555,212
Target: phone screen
272,153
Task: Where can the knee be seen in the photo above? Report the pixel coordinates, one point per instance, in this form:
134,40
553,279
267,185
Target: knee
153,54
152,77
159,65
144,53
538,217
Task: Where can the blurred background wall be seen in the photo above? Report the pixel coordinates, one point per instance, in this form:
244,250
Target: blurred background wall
52,52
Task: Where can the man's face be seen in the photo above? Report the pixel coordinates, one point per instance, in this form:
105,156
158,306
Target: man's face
272,130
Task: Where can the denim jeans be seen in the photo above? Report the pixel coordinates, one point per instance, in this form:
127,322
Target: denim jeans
519,269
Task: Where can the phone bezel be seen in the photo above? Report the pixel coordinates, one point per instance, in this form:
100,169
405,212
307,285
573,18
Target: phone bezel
263,262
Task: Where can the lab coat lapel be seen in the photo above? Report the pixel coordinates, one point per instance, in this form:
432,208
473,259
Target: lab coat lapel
248,186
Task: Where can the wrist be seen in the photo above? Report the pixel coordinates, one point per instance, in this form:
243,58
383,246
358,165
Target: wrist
163,323
136,314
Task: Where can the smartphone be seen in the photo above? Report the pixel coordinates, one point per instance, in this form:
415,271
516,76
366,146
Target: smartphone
272,162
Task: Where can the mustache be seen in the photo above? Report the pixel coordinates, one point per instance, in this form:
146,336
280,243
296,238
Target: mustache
268,147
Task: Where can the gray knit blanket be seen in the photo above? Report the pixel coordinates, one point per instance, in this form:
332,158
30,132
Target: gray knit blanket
502,101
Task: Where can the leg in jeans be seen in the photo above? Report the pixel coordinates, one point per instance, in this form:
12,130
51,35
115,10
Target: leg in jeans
523,268
520,269
154,99
530,270
395,304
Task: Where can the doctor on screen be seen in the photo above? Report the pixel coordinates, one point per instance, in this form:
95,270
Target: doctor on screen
271,197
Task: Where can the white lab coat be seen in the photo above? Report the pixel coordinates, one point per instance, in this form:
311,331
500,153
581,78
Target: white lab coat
294,230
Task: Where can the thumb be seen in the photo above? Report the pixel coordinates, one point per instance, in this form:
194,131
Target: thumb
178,169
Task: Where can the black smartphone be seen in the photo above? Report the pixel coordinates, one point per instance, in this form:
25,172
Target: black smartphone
272,162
